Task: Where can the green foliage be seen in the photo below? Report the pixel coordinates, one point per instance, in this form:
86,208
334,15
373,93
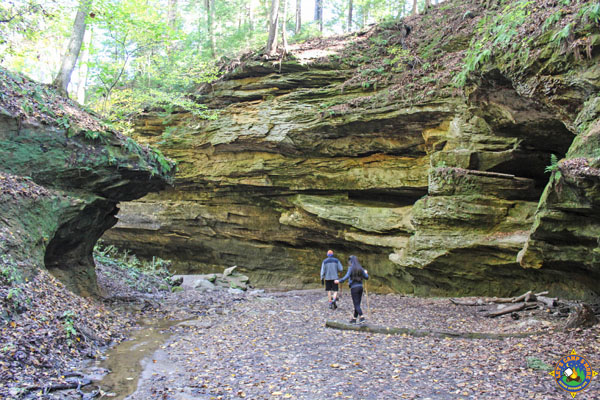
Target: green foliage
562,35
474,60
553,164
591,12
402,58
554,169
126,103
23,25
68,326
536,363
309,30
9,271
134,269
552,20
495,33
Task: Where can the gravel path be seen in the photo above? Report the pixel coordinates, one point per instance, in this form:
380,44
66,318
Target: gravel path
275,346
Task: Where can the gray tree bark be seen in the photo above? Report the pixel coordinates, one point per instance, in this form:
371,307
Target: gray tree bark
284,41
349,21
273,25
414,9
69,59
210,17
251,15
298,16
83,68
319,13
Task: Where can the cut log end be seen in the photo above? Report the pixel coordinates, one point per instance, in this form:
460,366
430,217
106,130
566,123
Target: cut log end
582,317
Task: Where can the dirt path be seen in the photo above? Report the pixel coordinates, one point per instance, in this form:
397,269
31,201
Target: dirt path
275,346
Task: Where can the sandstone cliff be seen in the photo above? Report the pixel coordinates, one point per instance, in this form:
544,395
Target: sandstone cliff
365,145
62,173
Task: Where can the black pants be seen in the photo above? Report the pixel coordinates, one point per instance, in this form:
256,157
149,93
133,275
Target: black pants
357,292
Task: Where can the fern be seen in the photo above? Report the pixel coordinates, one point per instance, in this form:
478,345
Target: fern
562,35
591,13
553,164
552,20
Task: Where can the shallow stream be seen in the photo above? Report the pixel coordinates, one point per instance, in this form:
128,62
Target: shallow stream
124,361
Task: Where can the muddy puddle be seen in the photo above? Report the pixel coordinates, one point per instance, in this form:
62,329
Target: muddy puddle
124,361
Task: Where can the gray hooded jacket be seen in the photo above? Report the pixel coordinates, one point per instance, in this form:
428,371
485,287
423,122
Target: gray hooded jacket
330,268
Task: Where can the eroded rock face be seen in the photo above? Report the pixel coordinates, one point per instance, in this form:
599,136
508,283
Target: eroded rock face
437,197
60,188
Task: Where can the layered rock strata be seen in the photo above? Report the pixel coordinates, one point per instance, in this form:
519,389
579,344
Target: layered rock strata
437,196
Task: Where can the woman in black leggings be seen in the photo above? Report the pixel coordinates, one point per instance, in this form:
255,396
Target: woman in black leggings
356,273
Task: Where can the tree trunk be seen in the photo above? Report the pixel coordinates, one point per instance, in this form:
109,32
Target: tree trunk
427,5
61,82
83,68
251,16
284,41
210,16
273,23
319,13
349,21
298,17
414,9
172,23
172,14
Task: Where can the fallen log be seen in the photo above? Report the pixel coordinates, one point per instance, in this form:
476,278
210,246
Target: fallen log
548,301
459,302
510,309
346,326
67,385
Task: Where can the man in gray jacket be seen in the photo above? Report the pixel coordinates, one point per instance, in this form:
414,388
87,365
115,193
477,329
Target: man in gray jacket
329,272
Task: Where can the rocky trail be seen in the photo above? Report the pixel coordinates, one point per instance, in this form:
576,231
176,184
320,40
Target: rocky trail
275,345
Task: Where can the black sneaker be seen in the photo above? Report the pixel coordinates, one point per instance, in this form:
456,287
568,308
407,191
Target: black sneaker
334,305
330,305
353,321
362,320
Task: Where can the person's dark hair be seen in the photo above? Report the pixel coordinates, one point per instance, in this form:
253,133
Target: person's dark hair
357,269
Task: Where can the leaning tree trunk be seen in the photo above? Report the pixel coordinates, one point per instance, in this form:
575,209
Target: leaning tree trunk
349,21
273,22
298,17
63,78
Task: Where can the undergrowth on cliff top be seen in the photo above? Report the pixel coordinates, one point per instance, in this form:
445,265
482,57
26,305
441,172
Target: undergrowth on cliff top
392,66
25,99
452,41
512,31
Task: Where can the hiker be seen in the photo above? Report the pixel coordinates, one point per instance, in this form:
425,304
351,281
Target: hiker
356,273
329,273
